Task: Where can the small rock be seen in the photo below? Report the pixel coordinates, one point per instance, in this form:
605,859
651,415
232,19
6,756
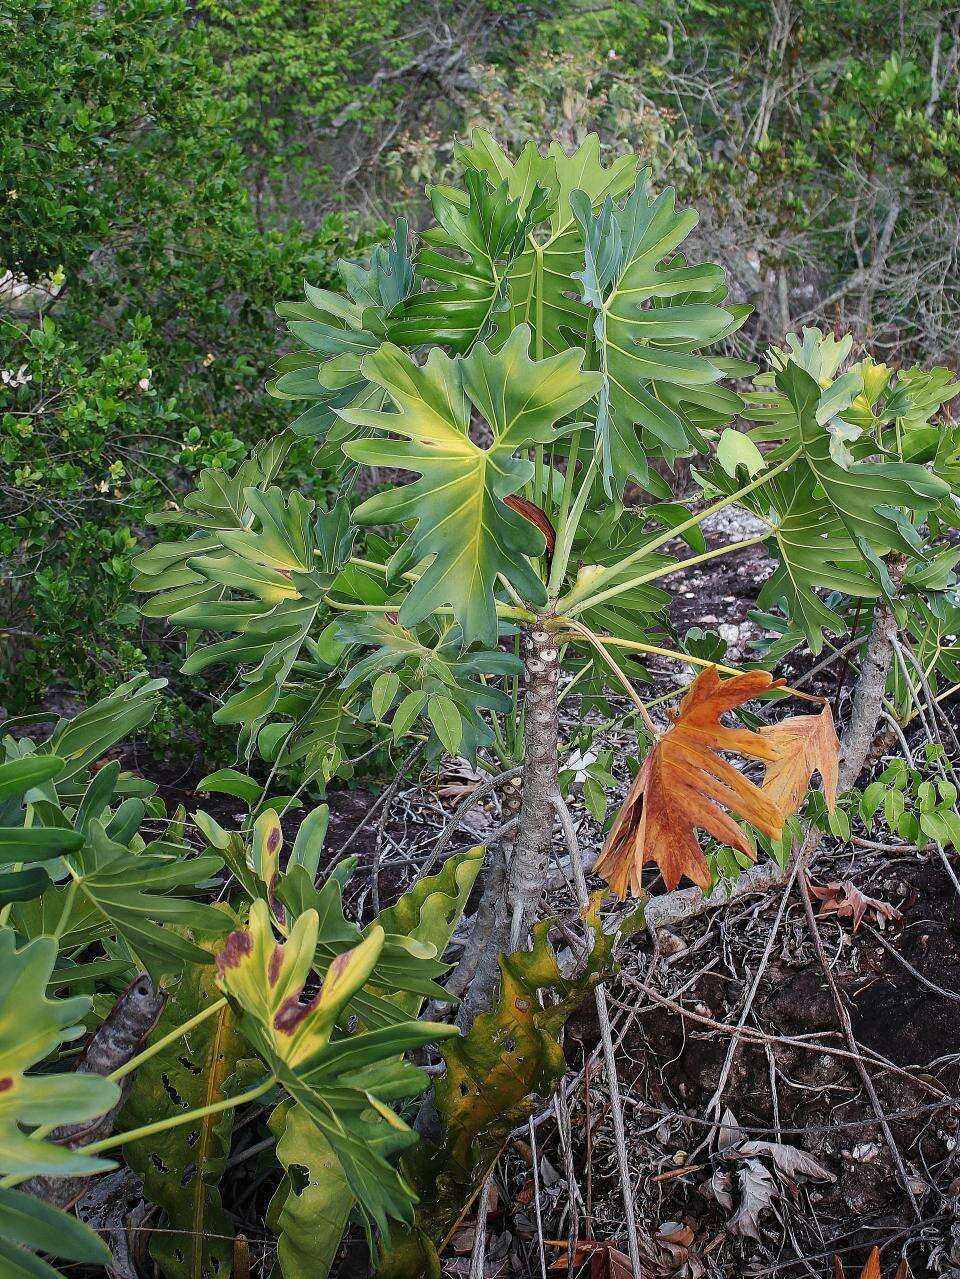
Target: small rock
671,944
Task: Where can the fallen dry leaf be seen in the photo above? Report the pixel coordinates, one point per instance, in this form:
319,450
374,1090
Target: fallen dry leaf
758,1190
806,744
847,901
871,1269
677,1233
717,1186
458,780
685,784
525,1193
606,1260
671,1250
791,1161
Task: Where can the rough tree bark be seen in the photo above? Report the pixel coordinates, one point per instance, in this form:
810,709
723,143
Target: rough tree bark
512,890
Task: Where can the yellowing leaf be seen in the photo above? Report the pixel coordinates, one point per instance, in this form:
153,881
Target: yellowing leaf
266,979
496,1076
685,785
341,1084
806,744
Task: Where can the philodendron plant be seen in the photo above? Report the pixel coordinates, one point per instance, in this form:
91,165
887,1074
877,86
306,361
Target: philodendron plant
540,355
271,997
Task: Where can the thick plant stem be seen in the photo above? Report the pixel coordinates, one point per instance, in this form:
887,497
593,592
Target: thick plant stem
606,1039
493,890
870,686
528,865
511,897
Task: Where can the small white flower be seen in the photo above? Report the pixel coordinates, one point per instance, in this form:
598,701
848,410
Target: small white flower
580,763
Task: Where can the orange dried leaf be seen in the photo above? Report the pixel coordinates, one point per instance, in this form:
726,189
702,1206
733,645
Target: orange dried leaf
806,744
871,1269
685,784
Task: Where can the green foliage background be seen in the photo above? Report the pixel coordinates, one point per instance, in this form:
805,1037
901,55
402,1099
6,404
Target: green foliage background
138,356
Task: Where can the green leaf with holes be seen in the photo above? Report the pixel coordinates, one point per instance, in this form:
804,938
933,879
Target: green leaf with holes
496,1075
181,1168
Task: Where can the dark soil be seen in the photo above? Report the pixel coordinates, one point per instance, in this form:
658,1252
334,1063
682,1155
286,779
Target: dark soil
812,1100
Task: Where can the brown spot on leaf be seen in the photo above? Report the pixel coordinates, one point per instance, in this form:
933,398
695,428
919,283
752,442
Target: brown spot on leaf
273,840
337,968
275,964
291,1013
275,905
6,1083
237,946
